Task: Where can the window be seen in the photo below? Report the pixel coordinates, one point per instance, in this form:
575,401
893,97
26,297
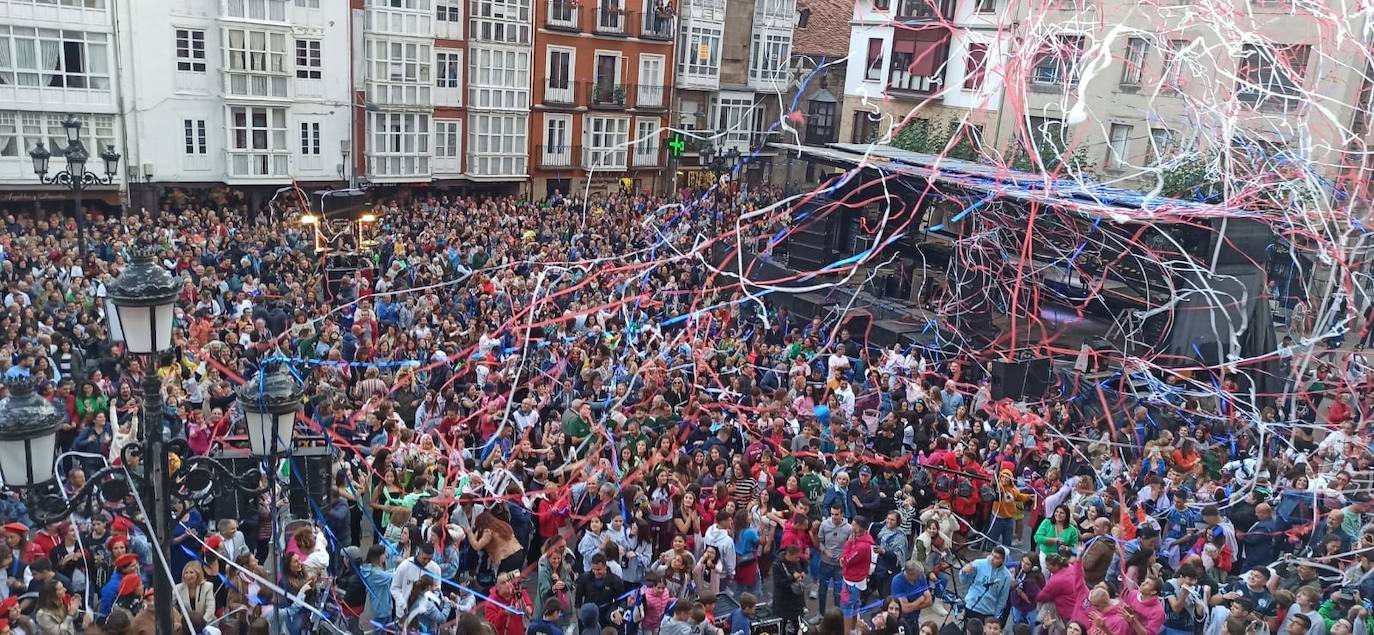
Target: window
607,139
52,58
447,139
499,78
770,54
975,66
651,93
556,135
1048,137
308,4
985,6
1057,61
501,21
310,138
1134,61
1162,144
399,71
558,86
9,136
31,130
256,63
646,142
701,55
732,119
449,69
918,59
498,144
308,61
820,124
448,19
197,141
874,70
190,50
1272,76
257,141
881,5
1175,57
414,5
803,17
448,146
1120,138
273,10
400,144
97,132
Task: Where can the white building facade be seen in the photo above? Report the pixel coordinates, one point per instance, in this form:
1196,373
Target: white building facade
241,92
55,59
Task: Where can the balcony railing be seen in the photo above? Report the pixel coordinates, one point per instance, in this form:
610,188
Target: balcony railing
643,158
562,15
604,94
558,157
613,21
659,26
559,95
647,96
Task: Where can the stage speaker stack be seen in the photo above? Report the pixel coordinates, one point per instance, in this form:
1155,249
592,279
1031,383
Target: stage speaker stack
311,477
1026,379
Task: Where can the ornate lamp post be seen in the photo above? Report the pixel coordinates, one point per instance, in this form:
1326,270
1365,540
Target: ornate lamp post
75,178
141,306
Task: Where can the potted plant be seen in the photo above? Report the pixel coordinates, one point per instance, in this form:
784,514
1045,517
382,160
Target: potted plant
618,94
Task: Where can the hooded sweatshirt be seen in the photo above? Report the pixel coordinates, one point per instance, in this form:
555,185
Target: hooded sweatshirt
725,545
857,561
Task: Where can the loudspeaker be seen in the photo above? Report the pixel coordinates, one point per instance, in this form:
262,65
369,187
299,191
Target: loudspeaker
1038,378
311,474
1008,379
1028,379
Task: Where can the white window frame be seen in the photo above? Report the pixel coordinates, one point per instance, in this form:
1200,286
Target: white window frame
255,65
768,56
499,143
309,59
1163,142
190,50
311,138
38,58
565,124
399,71
607,140
647,131
651,85
449,19
398,144
695,35
307,4
560,94
1133,62
446,130
196,137
1118,145
500,21
446,59
11,143
262,149
730,117
257,10
412,5
499,78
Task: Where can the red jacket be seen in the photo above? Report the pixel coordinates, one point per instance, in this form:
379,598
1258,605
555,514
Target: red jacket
502,620
857,560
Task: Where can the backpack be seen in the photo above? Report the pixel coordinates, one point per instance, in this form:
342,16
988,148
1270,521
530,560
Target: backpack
354,591
965,488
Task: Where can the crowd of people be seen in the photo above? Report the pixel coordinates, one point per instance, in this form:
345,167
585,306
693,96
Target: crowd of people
557,416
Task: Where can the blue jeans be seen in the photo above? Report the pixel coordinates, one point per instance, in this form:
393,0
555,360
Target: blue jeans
830,578
1002,532
1019,616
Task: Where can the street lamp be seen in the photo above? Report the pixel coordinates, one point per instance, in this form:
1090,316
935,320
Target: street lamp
142,300
75,177
270,403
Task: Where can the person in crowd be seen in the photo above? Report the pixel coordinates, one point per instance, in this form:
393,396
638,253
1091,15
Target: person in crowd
554,406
